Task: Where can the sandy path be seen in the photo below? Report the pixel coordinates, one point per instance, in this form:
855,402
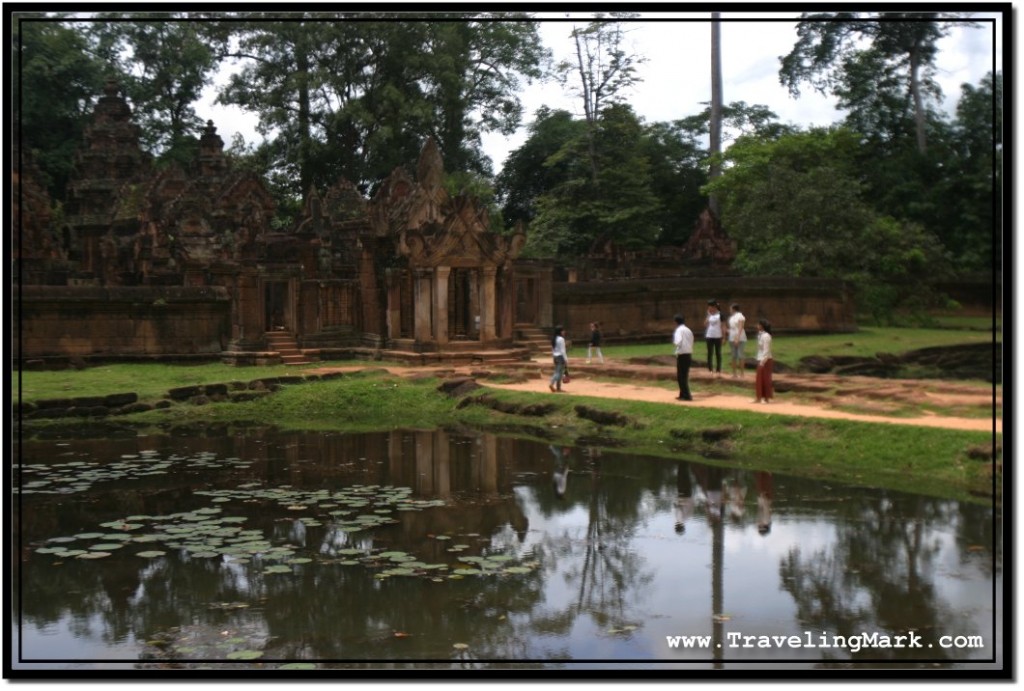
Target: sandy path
703,398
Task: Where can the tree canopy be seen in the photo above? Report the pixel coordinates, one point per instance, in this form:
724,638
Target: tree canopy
885,198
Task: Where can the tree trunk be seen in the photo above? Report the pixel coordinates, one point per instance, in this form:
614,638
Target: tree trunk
590,106
716,106
915,92
305,175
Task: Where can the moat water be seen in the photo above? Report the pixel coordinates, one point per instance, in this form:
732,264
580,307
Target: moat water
230,547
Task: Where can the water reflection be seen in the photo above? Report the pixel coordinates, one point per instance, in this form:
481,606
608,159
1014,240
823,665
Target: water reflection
609,554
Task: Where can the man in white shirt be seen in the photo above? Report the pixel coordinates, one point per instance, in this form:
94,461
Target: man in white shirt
683,341
737,339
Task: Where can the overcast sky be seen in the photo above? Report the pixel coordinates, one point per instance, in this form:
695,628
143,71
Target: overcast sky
677,74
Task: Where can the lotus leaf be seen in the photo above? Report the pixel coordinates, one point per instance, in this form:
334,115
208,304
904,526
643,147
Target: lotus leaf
244,655
71,553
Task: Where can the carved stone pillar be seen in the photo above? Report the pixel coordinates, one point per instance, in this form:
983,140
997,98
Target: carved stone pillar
488,304
439,303
394,308
422,310
474,304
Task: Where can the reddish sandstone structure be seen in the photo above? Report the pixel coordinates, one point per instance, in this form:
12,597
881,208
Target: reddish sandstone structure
185,262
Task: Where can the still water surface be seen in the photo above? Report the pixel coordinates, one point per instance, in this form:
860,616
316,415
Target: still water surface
415,548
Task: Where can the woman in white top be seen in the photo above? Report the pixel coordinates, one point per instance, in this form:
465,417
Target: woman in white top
713,335
561,359
763,381
737,339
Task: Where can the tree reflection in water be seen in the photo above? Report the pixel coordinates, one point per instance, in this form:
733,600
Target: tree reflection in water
621,554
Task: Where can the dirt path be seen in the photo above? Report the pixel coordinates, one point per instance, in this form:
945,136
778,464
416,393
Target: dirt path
705,395
779,406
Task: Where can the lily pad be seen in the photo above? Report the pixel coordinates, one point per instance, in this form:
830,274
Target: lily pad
517,569
71,553
151,554
244,655
300,560
298,665
105,547
93,555
278,568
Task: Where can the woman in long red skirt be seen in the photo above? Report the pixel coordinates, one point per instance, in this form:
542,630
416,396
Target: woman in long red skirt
763,390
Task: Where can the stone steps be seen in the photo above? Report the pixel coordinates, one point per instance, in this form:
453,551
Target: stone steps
533,338
285,345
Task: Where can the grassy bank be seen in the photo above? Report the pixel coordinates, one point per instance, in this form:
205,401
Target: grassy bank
932,461
865,342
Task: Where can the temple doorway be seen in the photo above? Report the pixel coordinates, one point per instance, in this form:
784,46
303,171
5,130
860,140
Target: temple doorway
276,305
463,305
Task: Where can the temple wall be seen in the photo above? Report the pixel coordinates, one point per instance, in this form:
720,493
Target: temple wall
644,309
122,322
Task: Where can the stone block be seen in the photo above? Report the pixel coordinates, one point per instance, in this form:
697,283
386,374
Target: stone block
182,393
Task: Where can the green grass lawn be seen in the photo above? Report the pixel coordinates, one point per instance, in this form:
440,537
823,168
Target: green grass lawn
934,461
789,349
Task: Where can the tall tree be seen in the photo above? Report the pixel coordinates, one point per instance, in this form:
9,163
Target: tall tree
475,78
357,98
603,70
798,205
164,61
535,168
716,107
55,81
620,207
828,41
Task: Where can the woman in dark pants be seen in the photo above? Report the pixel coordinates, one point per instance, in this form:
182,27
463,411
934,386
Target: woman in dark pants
713,335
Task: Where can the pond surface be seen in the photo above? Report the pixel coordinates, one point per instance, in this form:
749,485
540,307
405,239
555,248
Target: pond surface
229,547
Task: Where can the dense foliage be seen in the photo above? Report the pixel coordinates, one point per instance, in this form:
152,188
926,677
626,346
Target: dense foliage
901,192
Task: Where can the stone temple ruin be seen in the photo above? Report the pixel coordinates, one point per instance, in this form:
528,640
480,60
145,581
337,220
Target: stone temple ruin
183,262
186,262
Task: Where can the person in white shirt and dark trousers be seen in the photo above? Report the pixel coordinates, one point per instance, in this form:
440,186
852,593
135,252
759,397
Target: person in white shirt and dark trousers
561,358
683,341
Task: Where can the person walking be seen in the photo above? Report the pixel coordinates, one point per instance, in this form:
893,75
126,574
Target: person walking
763,390
713,336
595,342
737,339
561,358
682,339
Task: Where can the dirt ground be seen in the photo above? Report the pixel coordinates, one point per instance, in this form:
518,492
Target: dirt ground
806,395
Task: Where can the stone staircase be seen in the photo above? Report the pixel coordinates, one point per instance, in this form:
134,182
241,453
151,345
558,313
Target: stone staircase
284,343
536,340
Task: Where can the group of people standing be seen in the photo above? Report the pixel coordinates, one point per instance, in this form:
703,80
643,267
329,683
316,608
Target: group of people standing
735,332
715,333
